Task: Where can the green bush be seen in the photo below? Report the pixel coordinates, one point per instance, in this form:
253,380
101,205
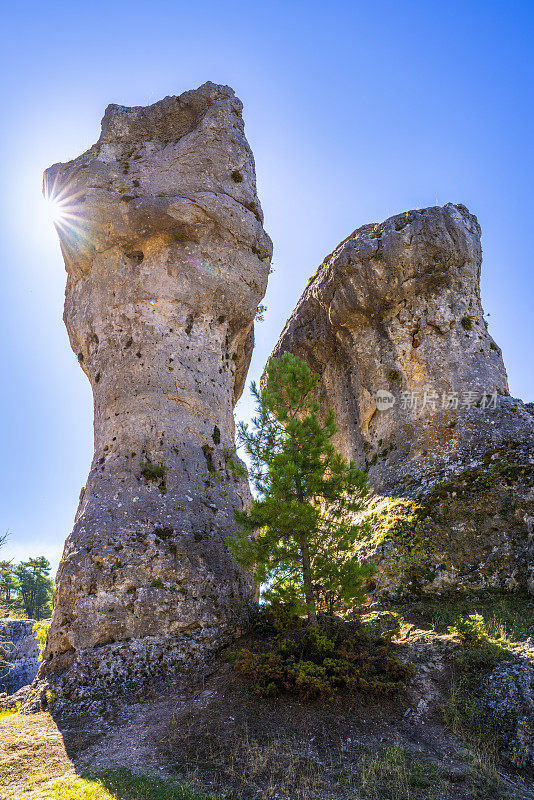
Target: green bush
152,472
467,323
469,629
319,661
40,631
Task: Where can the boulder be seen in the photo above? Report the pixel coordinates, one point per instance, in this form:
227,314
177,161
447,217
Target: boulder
507,701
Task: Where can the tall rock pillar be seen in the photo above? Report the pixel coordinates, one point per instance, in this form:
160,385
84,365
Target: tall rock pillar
167,260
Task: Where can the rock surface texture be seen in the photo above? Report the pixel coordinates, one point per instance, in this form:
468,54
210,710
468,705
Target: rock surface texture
167,260
508,701
393,324
19,654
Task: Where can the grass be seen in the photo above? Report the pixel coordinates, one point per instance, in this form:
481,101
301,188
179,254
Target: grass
396,774
121,784
34,766
285,766
506,618
487,626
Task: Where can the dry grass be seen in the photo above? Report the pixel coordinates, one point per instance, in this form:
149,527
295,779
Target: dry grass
35,766
244,766
32,756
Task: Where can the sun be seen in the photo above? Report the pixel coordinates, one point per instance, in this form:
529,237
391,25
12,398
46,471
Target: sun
63,206
56,210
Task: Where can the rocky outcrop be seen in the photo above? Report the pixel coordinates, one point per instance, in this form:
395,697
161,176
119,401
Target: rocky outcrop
508,703
393,324
167,260
19,654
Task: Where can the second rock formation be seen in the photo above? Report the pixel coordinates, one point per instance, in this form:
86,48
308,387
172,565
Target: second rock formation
393,324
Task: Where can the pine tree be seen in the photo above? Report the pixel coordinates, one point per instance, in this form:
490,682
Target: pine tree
299,534
8,585
35,586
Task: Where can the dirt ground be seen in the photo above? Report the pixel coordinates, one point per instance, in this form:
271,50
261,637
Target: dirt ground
221,738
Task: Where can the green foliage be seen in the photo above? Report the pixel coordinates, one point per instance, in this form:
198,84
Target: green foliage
260,312
152,472
236,467
9,598
299,535
485,645
40,630
508,617
393,374
469,629
123,784
28,587
466,323
319,661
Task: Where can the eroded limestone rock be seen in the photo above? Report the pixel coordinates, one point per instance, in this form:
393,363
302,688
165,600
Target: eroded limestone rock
19,654
167,261
393,324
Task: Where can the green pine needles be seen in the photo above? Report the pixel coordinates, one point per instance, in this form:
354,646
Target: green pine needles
299,534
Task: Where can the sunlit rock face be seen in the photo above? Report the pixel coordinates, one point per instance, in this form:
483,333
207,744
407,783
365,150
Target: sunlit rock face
167,261
393,324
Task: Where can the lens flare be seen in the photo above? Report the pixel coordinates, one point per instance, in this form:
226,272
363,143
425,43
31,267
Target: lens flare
56,210
63,202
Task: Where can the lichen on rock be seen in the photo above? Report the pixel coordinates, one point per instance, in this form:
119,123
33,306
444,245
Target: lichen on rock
508,702
167,261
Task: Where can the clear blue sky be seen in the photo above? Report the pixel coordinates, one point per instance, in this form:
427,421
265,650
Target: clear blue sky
354,110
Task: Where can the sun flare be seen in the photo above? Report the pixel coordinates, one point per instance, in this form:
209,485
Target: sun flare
63,202
56,210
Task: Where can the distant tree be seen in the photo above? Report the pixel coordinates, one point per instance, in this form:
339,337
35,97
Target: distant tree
4,566
8,586
300,533
35,587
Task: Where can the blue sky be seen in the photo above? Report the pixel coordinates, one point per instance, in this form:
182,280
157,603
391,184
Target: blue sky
354,110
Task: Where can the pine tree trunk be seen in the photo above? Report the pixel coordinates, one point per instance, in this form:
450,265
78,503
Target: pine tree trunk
306,576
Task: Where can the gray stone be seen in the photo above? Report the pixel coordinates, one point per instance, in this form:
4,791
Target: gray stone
508,701
19,654
166,261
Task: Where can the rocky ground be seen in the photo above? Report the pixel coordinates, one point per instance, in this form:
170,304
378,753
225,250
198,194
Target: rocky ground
461,730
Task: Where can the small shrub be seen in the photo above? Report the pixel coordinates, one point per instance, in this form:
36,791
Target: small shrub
469,629
319,661
466,323
154,472
393,375
237,177
40,630
260,312
251,206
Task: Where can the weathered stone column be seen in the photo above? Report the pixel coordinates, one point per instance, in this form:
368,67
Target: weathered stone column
393,324
167,261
